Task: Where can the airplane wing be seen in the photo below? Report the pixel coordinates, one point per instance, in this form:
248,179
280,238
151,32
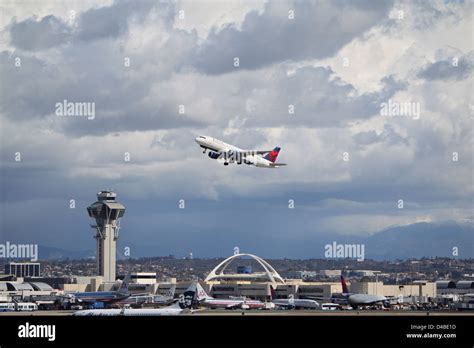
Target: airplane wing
317,298
276,165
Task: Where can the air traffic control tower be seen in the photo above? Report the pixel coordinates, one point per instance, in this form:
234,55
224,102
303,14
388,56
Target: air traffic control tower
107,213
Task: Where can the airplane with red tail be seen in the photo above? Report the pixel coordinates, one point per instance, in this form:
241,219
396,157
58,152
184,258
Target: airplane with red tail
226,153
356,300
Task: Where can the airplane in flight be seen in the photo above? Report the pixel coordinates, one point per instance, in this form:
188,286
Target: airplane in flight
227,153
186,302
233,303
356,300
292,303
105,297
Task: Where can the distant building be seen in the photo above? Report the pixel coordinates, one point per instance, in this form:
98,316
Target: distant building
364,273
257,285
143,277
23,269
107,213
269,274
26,292
449,287
306,275
330,272
417,288
244,269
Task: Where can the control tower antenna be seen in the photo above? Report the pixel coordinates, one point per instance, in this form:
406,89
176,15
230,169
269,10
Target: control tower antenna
107,213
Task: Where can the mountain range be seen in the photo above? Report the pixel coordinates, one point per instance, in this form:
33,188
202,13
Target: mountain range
417,240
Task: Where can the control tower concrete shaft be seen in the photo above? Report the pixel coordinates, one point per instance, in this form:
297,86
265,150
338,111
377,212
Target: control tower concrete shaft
107,213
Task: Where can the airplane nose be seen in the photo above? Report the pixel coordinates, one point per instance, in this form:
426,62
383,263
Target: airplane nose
199,139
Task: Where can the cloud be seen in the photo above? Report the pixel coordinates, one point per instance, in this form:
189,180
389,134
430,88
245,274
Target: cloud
318,30
35,34
455,69
113,21
283,63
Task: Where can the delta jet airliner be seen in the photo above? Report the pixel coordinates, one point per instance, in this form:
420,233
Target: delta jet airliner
356,300
227,153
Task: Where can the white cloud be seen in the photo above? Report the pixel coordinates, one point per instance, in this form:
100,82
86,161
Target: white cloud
337,110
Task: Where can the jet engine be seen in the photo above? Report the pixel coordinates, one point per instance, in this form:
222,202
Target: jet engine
213,155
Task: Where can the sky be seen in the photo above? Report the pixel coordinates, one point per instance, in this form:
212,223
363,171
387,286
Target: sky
161,73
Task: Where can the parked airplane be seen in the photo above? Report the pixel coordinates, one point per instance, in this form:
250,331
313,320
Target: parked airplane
106,297
186,302
227,153
165,299
356,300
141,300
292,303
234,303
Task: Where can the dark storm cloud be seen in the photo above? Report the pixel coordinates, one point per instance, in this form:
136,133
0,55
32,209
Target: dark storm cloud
320,99
129,99
91,69
32,34
35,87
108,22
445,70
318,30
389,136
124,103
137,112
112,21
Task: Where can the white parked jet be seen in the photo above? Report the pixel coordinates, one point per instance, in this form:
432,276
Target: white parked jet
186,302
356,300
227,153
292,302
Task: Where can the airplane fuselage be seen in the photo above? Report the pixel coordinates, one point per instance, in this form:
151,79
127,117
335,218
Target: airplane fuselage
230,304
130,312
364,299
296,303
228,153
101,296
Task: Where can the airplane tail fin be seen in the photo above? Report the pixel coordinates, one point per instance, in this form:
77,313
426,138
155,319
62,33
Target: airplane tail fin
272,155
172,290
188,299
201,293
345,290
124,286
273,293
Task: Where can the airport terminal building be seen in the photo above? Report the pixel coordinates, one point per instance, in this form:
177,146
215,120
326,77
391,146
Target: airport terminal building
258,285
222,283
